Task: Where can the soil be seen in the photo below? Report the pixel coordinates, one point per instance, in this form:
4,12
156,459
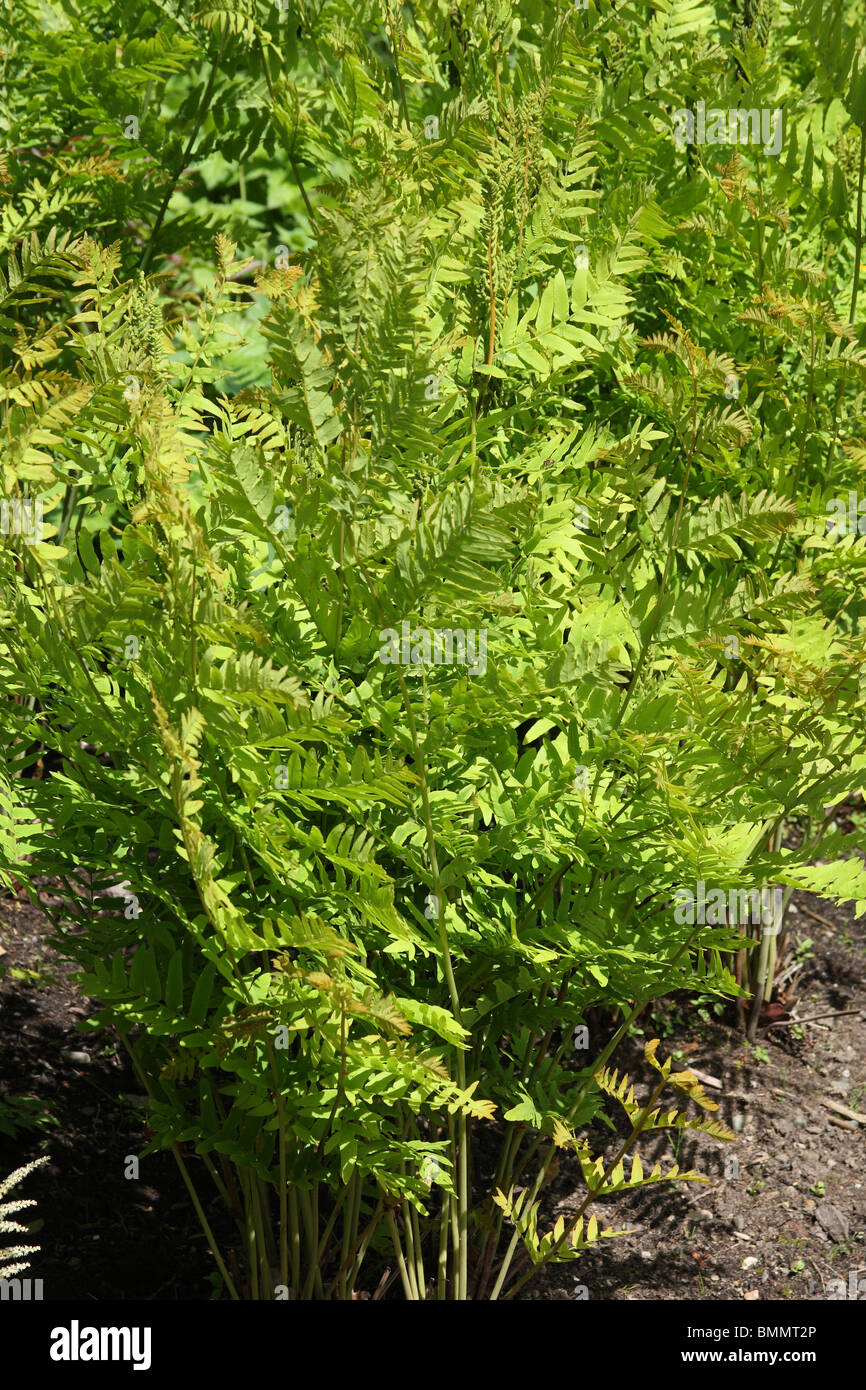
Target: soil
787,1221
103,1235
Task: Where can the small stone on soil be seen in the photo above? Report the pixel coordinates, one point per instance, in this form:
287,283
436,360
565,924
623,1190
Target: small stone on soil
831,1220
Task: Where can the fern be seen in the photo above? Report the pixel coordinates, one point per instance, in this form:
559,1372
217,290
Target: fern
383,317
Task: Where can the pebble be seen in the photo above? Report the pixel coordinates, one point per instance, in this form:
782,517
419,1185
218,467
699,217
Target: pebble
81,1059
831,1220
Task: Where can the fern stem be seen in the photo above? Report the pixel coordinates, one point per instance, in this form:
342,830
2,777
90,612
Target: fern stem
295,1240
205,1224
266,1284
250,1235
70,500
284,1214
314,1204
420,1275
309,1212
444,1220
217,1181
324,1243
356,1255
350,1230
411,1250
408,1287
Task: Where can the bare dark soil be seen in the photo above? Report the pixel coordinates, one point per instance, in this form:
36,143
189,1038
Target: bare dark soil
788,1221
103,1235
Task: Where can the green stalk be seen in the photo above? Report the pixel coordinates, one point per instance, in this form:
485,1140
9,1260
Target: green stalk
295,1240
366,1237
348,1231
205,1224
324,1243
444,1219
284,1215
314,1204
356,1254
69,502
265,1279
420,1278
454,1207
411,1253
355,1245
763,978
265,1189
252,1262
408,1288
217,1180
310,1229
759,984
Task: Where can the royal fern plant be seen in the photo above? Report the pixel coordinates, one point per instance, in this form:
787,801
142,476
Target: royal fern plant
421,580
